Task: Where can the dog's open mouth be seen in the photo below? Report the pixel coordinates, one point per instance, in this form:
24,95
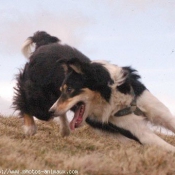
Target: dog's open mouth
78,109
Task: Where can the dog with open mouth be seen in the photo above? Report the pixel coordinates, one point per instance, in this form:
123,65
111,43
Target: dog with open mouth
38,83
112,99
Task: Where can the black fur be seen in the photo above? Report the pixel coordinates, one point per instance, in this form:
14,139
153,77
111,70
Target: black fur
94,76
39,82
43,38
109,127
74,83
132,80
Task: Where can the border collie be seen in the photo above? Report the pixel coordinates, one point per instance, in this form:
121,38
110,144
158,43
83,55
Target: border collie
38,84
112,99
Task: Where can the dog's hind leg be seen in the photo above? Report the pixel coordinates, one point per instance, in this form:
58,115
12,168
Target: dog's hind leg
29,125
64,126
155,111
137,126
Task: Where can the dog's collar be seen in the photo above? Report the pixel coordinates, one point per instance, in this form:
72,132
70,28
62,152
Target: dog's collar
131,109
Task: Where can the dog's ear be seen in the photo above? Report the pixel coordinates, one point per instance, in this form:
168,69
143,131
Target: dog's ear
64,65
76,65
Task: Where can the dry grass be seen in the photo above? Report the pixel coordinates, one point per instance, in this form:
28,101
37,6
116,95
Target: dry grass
85,151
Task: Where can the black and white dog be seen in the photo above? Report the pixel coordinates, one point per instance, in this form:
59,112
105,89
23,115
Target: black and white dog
38,84
112,99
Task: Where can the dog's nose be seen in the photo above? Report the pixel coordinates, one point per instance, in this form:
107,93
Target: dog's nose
51,112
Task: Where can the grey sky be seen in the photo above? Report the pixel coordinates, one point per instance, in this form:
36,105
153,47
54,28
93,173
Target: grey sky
124,32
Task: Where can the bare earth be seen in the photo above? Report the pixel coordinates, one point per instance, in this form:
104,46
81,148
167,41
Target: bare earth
84,152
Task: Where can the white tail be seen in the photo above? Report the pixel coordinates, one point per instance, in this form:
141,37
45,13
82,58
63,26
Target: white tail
27,47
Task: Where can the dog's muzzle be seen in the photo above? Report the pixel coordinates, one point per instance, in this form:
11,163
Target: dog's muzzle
52,110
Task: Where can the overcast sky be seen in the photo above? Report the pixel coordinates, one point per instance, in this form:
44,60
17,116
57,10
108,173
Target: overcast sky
137,33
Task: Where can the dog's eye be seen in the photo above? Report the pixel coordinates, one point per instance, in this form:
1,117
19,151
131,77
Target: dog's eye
69,89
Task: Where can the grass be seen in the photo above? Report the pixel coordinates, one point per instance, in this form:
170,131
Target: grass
85,150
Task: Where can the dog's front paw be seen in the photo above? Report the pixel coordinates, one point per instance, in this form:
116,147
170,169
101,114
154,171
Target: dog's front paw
64,132
30,130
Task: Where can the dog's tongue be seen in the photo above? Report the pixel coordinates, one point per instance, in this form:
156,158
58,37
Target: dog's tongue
78,117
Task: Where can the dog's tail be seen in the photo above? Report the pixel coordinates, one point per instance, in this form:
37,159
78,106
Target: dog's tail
40,38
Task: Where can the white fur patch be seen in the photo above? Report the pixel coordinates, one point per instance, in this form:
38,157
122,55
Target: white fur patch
30,130
138,127
27,48
156,111
116,72
64,126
